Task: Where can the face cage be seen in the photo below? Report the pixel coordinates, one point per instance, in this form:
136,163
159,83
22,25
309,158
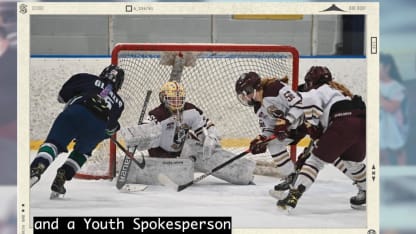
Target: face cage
243,99
113,80
175,103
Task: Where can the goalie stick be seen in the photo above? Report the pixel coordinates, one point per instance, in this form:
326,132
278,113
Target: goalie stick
128,154
125,166
165,180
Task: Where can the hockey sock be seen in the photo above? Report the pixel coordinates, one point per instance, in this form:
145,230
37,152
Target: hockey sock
283,163
309,171
46,154
358,173
339,163
74,163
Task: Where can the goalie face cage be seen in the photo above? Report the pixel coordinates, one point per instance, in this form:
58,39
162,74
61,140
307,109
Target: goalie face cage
209,84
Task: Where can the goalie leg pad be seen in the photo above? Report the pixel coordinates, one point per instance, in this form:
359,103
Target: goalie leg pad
180,170
238,172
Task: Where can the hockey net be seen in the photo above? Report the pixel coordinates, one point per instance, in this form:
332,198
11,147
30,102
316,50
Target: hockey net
209,73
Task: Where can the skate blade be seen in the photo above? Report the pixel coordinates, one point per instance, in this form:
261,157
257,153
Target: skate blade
55,195
359,207
279,195
287,209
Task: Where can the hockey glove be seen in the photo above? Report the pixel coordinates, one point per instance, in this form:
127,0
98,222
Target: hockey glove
297,134
61,99
111,131
314,132
99,103
257,145
281,129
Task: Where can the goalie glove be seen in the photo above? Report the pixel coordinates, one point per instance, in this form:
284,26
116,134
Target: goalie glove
258,145
211,141
281,129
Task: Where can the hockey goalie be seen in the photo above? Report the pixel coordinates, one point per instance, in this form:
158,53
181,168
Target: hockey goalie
179,140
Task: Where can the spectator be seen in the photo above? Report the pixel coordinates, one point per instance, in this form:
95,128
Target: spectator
393,122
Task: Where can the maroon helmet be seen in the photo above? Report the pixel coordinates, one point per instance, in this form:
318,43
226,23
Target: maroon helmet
317,76
246,84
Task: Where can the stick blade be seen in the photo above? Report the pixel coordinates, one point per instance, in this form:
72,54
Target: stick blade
184,186
166,181
131,188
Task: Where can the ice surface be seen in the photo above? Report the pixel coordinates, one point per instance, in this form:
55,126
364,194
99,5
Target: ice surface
324,205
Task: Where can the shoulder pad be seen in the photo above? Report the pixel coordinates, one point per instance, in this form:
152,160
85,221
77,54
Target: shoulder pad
190,106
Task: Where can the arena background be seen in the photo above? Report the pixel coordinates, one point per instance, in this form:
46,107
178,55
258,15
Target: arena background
65,45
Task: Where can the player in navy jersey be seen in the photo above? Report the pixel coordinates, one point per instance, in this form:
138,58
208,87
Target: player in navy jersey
91,115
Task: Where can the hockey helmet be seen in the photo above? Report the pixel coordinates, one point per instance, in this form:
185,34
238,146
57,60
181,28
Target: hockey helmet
317,76
114,74
247,84
172,95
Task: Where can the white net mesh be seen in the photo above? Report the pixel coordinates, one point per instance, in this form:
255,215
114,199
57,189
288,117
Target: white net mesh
209,84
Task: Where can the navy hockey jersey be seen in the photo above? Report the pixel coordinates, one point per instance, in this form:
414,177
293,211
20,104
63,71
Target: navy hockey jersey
85,89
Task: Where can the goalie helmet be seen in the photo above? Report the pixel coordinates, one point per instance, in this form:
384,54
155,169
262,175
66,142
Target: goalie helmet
114,74
317,76
247,84
172,95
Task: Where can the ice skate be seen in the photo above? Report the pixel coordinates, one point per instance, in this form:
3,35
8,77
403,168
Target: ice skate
58,189
291,200
358,201
279,190
287,182
35,173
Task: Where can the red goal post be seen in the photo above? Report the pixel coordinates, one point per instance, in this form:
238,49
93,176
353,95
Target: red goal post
209,84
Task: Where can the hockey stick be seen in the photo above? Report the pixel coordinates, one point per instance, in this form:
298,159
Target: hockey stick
128,154
305,155
167,181
125,166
